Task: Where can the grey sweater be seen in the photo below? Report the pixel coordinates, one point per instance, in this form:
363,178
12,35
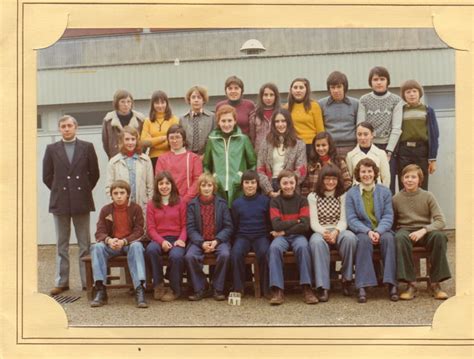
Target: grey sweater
340,119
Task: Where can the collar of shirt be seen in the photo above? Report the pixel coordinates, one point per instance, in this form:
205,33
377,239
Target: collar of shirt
69,141
193,114
135,156
345,100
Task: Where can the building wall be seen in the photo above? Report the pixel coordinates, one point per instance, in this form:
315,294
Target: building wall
78,76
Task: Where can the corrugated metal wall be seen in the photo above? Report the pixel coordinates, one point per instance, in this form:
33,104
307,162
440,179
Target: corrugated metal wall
97,84
225,44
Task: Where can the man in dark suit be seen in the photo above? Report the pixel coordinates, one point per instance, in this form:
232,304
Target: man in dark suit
71,171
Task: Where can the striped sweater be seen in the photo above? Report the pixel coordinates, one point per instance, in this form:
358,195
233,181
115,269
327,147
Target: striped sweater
290,214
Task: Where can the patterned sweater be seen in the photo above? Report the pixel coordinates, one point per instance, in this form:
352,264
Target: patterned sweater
385,114
309,184
327,212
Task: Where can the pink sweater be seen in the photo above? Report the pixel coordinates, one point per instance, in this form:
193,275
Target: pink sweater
185,169
166,221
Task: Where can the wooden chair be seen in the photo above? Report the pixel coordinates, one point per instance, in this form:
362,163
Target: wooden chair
126,281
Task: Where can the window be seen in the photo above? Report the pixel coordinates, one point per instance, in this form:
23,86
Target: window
90,118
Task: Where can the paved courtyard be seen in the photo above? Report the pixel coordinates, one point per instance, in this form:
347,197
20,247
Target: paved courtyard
339,311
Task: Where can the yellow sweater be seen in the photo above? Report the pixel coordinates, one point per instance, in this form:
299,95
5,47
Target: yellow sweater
307,124
152,131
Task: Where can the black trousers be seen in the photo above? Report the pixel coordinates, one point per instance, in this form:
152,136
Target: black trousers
413,153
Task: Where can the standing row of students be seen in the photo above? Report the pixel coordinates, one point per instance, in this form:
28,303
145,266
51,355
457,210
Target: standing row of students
407,129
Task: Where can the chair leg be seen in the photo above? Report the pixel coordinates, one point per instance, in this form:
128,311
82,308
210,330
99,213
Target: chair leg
256,278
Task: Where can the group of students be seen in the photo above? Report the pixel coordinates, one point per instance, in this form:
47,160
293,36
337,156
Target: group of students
322,167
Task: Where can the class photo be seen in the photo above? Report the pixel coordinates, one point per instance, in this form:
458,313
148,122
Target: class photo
297,170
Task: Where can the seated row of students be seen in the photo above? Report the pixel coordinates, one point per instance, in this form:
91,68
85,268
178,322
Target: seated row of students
188,231
405,128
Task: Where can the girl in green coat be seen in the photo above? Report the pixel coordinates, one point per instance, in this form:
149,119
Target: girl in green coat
228,154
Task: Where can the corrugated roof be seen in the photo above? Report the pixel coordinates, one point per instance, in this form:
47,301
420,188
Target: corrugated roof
433,67
165,47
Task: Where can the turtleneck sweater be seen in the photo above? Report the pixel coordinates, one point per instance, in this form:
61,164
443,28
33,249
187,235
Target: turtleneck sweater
250,215
208,217
121,225
243,107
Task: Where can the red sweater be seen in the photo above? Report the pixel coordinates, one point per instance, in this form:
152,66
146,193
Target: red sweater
243,109
185,169
166,221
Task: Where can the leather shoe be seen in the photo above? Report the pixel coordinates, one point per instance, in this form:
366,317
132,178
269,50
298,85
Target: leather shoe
140,297
437,293
58,290
362,296
159,291
409,294
277,297
219,296
323,295
393,292
100,297
204,293
346,288
308,295
169,296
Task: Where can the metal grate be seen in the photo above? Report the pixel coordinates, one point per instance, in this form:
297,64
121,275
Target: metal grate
65,299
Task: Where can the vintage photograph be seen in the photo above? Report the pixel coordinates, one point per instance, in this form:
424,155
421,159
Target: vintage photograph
246,177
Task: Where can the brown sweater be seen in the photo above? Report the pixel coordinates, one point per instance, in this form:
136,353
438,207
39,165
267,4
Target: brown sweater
106,225
416,210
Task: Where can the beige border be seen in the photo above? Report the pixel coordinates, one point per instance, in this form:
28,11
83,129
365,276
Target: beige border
29,319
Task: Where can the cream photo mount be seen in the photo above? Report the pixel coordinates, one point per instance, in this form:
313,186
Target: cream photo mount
39,322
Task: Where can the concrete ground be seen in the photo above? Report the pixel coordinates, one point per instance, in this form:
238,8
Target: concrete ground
339,311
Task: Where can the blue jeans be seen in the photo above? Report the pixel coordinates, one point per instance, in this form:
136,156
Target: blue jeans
346,243
364,265
100,253
194,262
175,264
299,244
241,247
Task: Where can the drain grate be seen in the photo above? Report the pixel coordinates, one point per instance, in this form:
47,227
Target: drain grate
65,299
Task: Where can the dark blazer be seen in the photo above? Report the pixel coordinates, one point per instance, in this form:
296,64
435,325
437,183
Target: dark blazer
71,184
224,227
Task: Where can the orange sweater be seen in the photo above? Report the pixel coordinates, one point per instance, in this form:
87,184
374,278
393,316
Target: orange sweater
152,131
307,124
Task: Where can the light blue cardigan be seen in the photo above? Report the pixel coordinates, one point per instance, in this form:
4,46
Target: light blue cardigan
357,218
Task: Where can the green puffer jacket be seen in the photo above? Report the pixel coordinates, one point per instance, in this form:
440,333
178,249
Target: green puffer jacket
227,160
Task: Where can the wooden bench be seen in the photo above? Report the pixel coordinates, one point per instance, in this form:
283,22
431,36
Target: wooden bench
419,253
121,262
